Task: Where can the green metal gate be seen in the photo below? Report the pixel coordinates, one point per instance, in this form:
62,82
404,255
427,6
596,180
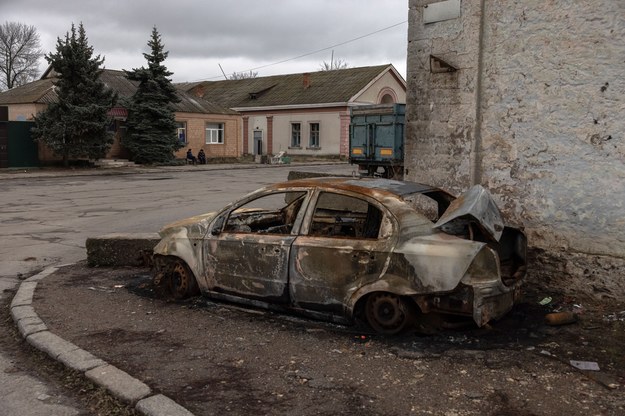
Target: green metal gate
20,149
4,144
4,137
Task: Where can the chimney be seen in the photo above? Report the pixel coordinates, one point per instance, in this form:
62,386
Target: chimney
307,80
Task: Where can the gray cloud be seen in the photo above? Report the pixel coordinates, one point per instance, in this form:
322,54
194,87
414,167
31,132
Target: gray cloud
239,35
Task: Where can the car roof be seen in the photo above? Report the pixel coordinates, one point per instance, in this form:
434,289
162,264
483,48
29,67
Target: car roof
361,185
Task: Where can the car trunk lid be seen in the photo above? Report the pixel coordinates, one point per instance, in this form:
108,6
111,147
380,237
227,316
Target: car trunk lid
476,205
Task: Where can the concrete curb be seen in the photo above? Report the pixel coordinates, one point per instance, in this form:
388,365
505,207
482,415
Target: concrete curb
23,173
117,382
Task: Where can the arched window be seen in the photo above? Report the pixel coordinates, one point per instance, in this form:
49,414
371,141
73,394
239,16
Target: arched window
387,96
387,99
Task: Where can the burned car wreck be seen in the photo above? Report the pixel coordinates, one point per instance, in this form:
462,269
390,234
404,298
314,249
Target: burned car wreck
392,253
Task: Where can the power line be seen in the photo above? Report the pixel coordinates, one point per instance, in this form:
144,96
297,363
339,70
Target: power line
318,50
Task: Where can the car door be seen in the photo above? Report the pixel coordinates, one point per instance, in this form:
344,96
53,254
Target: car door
345,244
247,254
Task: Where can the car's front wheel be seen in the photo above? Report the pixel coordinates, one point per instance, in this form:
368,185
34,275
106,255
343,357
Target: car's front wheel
388,313
175,279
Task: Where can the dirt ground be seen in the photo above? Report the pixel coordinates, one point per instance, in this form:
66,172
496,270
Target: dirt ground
216,358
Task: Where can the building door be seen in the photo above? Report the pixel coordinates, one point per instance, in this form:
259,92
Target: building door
258,142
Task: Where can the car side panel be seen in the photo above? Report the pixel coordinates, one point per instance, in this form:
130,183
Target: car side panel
434,263
249,265
325,272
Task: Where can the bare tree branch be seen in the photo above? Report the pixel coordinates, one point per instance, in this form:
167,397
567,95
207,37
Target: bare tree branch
19,54
243,75
334,64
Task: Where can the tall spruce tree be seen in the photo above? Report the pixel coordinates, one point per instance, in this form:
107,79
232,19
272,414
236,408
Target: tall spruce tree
151,124
77,124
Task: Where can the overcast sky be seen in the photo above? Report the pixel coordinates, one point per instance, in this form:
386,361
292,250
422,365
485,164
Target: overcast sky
238,34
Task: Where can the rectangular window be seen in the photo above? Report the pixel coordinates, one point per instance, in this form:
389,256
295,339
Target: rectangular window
314,135
296,134
214,133
181,129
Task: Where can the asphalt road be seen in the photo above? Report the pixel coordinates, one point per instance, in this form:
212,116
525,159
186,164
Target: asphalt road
46,218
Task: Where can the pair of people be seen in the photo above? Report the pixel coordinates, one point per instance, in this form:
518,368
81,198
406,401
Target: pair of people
201,157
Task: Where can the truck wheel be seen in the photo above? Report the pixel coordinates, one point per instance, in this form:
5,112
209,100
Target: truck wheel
394,172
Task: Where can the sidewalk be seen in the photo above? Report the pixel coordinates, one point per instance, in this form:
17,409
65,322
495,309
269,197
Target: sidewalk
120,384
24,173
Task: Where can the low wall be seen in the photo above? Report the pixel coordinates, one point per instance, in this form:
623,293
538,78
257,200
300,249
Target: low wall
121,249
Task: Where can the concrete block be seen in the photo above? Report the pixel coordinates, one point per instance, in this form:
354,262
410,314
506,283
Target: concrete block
24,295
80,360
120,249
119,383
51,344
160,405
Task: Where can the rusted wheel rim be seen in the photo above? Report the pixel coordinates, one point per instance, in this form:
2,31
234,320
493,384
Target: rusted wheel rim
386,313
180,280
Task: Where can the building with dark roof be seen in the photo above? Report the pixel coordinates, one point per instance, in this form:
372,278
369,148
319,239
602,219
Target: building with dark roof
194,115
301,114
298,114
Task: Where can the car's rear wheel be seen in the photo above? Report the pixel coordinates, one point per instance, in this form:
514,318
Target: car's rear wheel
388,313
175,280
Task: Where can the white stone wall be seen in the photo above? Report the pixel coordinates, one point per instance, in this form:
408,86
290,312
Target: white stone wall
440,108
554,119
539,120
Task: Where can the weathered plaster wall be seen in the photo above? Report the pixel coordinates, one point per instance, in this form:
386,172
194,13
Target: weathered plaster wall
440,108
554,119
539,120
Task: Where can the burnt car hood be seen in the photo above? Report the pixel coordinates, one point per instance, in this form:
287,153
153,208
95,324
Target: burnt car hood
194,226
476,205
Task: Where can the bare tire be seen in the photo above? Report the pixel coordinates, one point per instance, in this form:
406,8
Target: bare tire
176,280
387,313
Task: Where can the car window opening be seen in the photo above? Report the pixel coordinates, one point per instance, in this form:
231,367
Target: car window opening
345,216
270,214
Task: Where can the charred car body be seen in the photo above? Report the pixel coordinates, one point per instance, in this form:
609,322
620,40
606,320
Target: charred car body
390,252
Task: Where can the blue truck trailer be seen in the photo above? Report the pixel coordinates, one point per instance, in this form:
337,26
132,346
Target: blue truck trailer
376,139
